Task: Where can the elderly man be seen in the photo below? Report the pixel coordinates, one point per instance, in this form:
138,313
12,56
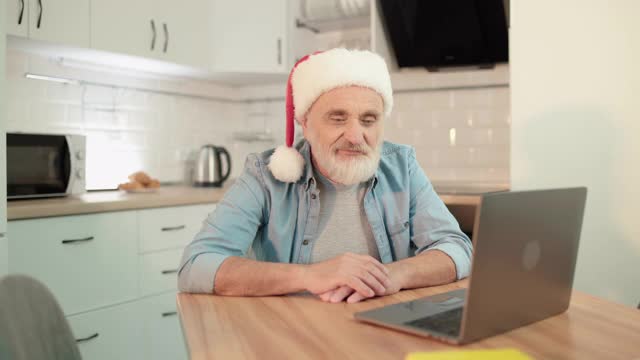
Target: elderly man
343,215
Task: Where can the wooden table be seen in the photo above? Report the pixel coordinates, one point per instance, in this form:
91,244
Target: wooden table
303,327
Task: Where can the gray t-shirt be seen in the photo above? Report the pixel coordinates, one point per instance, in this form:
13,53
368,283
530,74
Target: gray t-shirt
343,225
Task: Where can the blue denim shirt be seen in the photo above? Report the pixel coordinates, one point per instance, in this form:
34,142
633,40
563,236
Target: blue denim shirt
279,221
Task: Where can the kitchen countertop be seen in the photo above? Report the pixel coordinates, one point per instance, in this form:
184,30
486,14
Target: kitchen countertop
460,188
465,194
177,195
114,200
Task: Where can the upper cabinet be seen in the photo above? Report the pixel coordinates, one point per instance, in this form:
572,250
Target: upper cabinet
61,21
248,36
125,26
321,25
168,30
214,36
184,31
17,17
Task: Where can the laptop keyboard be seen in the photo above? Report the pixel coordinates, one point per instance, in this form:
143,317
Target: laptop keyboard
447,322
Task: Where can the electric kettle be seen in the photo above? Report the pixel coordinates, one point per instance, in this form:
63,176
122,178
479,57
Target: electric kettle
208,171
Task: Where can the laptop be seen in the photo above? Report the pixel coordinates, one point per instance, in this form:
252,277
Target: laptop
525,248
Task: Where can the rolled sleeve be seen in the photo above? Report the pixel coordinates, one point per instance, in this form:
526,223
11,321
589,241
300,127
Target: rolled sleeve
459,257
229,231
432,225
199,272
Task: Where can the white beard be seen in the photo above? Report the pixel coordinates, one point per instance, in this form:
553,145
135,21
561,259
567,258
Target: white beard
349,171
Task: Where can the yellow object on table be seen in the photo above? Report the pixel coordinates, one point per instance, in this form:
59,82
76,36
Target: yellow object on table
498,354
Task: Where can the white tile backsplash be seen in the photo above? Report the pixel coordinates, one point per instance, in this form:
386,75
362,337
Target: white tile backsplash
129,130
466,139
478,98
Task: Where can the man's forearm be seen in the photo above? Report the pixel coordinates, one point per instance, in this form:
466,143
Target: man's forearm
244,277
430,268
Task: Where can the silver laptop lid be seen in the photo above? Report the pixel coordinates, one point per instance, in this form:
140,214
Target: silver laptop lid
525,249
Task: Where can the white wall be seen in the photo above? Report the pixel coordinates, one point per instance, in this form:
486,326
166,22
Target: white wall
575,80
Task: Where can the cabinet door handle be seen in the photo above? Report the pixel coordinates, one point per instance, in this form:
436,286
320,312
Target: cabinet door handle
21,12
153,34
279,51
71,241
169,313
41,10
172,271
173,228
90,337
166,37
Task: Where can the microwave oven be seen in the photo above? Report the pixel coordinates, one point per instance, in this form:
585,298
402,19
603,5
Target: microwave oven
45,165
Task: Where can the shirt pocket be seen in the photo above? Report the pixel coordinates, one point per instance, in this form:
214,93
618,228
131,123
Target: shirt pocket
399,233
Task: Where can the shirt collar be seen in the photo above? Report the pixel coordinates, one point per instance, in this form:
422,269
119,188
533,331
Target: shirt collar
307,173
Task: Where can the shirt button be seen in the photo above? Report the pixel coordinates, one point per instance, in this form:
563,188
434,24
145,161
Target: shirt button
305,242
313,196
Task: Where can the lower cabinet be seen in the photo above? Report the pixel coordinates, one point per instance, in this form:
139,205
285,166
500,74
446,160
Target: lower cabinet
88,261
159,271
164,339
171,227
109,333
143,329
114,275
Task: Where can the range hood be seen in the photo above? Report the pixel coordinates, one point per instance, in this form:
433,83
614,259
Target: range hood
447,33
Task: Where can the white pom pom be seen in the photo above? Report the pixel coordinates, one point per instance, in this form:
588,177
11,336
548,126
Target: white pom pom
286,164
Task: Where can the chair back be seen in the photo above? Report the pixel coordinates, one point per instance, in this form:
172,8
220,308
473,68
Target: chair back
32,324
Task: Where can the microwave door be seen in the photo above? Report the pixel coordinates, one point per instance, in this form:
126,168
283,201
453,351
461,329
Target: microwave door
37,165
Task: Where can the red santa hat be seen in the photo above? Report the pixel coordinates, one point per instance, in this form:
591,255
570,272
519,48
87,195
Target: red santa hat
312,76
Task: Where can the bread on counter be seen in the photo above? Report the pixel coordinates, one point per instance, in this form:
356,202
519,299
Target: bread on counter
139,181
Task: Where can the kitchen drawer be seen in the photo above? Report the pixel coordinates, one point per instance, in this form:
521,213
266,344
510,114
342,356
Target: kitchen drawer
170,228
87,261
162,328
110,333
158,271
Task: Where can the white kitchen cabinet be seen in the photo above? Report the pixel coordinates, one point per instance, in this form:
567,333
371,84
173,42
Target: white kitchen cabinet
116,279
65,22
248,36
183,27
111,333
158,271
363,30
170,228
125,26
87,261
164,338
167,30
17,17
62,21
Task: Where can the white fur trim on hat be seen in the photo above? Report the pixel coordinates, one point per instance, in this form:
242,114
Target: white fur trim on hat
337,68
286,164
